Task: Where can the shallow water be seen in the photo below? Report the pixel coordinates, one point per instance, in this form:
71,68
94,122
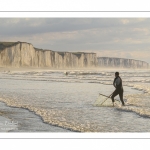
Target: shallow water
67,101
23,120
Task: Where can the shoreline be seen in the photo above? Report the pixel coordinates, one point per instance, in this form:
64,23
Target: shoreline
2,69
27,116
12,120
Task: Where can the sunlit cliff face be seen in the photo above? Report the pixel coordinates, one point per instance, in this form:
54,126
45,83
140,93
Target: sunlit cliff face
24,54
20,54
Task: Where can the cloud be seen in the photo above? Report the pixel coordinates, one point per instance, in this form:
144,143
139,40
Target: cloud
118,37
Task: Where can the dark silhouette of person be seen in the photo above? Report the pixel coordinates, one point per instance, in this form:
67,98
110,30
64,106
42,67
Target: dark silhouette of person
119,88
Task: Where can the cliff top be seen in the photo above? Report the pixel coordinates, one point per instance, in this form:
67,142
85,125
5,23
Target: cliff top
122,58
4,45
62,52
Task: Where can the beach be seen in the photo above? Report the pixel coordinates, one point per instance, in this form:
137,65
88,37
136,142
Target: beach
44,100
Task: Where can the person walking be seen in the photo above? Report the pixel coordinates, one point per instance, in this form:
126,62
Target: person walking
119,88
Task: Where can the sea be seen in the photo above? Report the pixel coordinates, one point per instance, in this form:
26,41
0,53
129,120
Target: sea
53,101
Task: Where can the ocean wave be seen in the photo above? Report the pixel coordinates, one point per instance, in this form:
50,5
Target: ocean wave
52,116
61,117
138,103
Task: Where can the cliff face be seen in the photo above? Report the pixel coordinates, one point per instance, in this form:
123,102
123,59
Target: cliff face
121,62
24,54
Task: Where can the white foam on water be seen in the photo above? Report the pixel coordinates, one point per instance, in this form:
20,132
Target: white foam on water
70,105
139,104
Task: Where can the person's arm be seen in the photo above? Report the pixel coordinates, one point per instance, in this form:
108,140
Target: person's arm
114,84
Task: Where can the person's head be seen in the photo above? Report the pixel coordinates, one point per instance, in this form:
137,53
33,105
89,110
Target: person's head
116,74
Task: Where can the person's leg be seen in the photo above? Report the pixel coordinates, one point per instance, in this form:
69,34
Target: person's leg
121,97
114,94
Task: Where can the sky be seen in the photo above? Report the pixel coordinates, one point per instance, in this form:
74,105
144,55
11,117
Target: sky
108,37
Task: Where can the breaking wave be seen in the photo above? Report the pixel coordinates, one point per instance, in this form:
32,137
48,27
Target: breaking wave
61,116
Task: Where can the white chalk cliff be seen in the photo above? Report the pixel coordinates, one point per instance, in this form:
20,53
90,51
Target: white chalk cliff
121,62
21,54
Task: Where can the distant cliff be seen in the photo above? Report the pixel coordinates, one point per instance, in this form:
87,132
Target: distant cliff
21,54
121,62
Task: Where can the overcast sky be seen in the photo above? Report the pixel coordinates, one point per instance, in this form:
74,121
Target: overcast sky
110,37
